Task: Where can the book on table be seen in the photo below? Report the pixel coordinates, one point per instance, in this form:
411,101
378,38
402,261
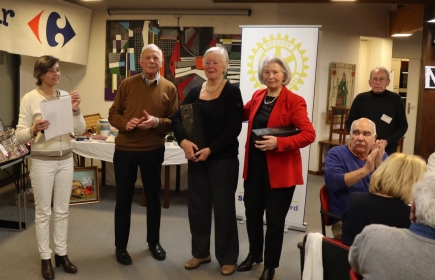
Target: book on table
191,119
280,131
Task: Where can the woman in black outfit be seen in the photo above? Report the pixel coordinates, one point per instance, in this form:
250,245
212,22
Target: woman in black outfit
213,171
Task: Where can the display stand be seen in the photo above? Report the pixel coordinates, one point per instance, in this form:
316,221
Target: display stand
20,184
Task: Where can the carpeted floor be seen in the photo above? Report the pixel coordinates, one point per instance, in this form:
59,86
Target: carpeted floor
91,242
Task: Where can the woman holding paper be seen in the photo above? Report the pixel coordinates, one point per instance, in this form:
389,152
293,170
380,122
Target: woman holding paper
214,168
52,167
273,166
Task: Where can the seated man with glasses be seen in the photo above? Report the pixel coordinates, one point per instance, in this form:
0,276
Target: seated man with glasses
348,168
385,108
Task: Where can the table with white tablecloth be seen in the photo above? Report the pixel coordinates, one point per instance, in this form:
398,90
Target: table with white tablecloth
103,151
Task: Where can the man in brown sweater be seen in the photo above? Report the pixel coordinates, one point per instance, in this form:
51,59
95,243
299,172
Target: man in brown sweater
142,111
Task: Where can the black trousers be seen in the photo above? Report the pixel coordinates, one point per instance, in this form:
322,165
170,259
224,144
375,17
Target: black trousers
125,165
212,185
257,198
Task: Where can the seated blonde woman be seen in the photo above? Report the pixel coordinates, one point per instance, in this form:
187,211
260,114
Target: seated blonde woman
388,199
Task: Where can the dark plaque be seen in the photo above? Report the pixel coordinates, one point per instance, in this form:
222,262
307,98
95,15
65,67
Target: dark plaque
192,123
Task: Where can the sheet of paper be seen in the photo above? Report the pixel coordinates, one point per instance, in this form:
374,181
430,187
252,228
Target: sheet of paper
59,114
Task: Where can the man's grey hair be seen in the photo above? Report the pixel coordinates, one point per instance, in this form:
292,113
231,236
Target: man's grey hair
282,64
149,46
356,121
423,195
382,68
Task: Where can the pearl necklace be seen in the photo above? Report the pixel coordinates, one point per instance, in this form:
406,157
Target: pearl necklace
271,101
212,91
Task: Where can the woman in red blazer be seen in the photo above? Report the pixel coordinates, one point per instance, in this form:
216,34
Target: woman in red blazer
273,166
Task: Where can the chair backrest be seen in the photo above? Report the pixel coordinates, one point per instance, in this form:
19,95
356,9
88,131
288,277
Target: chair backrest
335,259
326,216
354,276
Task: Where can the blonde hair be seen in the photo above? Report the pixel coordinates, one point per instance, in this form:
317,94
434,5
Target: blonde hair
396,176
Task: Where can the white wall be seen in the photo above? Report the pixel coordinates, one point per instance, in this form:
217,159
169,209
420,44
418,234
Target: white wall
342,26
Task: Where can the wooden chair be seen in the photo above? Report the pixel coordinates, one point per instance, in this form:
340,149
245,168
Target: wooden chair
326,216
335,129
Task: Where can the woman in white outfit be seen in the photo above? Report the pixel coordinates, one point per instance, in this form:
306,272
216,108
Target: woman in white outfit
52,167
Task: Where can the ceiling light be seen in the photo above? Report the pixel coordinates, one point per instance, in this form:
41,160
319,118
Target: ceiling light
432,20
343,0
179,12
401,35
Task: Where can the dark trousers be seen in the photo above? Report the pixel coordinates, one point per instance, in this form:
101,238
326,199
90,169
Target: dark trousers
257,198
212,185
125,165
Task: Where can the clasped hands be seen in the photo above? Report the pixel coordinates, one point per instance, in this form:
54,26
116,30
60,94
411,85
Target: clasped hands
191,151
146,122
374,159
269,143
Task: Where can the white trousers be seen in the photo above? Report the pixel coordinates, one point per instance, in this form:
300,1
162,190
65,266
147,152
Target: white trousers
51,177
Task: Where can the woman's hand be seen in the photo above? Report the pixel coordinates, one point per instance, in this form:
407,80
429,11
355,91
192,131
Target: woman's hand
269,143
40,125
202,155
75,100
189,149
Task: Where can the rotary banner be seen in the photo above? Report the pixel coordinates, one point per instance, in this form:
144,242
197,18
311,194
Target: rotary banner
298,46
49,27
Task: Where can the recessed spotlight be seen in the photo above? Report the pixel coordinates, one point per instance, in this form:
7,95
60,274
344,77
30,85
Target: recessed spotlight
401,35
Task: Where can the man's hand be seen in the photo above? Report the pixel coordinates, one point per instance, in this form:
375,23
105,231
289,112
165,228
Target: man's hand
148,121
133,123
380,146
370,161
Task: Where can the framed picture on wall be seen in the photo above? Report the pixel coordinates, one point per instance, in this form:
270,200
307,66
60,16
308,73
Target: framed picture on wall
341,87
85,187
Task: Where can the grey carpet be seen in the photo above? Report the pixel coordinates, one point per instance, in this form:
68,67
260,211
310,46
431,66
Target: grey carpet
91,242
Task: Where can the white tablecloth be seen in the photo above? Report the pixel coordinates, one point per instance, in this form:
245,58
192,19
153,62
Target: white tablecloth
104,151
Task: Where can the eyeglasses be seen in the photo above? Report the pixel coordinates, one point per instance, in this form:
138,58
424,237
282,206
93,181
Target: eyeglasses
53,70
381,80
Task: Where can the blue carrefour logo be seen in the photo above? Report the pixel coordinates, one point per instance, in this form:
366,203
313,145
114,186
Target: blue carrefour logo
52,29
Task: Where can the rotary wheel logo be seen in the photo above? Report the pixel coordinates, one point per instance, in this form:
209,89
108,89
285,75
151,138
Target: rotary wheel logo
289,50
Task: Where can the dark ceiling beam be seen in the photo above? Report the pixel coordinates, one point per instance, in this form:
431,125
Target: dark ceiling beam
406,19
395,2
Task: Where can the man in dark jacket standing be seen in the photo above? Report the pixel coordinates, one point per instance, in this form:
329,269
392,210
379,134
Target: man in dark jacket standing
383,107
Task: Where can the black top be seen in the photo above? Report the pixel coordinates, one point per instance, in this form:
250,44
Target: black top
256,156
373,106
364,209
222,119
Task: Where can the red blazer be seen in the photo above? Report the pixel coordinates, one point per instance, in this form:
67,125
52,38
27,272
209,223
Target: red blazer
284,163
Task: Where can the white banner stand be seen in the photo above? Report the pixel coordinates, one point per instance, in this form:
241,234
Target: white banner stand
298,46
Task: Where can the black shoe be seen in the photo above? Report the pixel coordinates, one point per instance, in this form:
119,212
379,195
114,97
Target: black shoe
268,274
157,251
250,260
68,267
123,257
47,269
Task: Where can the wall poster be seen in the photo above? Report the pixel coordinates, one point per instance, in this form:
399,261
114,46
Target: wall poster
182,48
341,87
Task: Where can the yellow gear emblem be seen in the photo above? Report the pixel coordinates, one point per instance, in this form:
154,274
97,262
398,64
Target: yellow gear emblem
289,50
